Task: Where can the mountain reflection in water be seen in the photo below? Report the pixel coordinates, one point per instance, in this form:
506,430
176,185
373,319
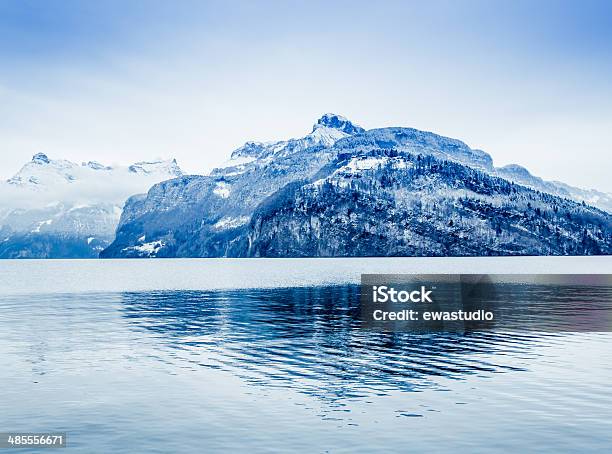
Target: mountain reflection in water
311,339
291,369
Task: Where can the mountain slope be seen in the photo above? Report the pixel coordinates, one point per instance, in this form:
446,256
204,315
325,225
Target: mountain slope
342,190
521,175
204,216
60,209
388,204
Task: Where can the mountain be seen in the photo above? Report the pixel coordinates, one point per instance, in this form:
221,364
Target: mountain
383,203
521,175
344,191
61,209
197,216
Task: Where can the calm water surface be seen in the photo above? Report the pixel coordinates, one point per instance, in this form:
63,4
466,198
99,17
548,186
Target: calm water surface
278,368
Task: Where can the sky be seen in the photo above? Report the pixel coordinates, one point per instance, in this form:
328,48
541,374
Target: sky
124,81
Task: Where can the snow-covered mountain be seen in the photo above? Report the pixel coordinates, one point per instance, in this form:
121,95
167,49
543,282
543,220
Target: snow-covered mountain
327,130
57,208
521,175
341,190
42,173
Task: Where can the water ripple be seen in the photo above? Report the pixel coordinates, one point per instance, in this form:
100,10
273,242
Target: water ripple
178,371
312,340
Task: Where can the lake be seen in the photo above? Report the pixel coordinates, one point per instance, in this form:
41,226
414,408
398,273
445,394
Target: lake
269,355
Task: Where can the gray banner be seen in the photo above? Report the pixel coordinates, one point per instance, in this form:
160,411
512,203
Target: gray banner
32,440
477,302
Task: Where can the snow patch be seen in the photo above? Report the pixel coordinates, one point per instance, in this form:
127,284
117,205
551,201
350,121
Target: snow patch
40,224
357,164
326,136
229,222
222,189
149,249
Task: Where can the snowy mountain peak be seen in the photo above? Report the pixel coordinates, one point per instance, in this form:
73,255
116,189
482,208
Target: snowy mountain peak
168,167
43,173
95,165
326,131
334,121
53,207
40,158
336,132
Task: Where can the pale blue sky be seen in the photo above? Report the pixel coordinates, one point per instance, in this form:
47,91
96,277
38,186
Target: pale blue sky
120,81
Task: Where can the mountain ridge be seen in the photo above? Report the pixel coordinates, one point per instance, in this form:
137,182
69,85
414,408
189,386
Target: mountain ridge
55,208
213,215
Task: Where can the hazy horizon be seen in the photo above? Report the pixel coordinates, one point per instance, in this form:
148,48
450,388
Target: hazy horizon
120,82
